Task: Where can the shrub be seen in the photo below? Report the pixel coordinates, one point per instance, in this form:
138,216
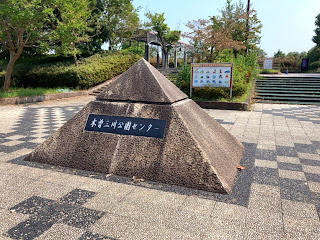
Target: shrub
269,71
209,93
244,70
2,73
314,66
90,71
183,79
287,62
314,58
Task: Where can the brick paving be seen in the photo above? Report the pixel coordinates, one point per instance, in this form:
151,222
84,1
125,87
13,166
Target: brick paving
277,196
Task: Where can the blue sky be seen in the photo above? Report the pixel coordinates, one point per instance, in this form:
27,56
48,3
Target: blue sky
288,25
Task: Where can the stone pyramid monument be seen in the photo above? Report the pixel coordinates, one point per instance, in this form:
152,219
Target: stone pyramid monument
142,125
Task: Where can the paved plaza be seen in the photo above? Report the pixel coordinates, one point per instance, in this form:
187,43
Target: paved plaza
276,196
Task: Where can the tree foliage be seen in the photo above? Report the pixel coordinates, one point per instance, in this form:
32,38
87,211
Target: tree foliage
71,25
22,24
316,38
244,26
45,24
314,58
279,54
118,20
228,31
210,37
156,23
291,61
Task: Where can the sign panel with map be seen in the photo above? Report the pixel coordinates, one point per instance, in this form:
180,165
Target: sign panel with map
211,75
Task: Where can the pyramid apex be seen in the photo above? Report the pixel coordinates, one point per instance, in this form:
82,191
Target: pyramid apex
142,83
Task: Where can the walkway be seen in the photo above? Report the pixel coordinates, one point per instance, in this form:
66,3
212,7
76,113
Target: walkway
277,196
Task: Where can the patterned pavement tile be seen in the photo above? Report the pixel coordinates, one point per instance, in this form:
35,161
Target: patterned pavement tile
277,196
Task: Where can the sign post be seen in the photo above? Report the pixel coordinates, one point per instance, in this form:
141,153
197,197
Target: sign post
211,75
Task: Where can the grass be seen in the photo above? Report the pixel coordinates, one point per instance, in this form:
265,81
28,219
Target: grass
269,71
23,92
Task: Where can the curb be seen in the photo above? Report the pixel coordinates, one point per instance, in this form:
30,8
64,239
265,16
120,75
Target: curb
41,98
224,105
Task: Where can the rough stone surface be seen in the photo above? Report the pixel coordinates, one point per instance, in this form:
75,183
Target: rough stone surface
195,152
142,83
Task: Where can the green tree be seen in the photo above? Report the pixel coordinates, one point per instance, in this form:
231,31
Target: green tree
279,54
260,52
314,58
297,56
117,20
166,36
21,25
316,38
237,28
71,26
243,23
133,47
210,37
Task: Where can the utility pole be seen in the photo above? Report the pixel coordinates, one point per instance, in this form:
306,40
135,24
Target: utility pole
247,25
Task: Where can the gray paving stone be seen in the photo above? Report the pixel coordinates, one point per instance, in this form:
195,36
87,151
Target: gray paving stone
311,169
294,190
290,166
110,196
229,212
292,175
314,186
264,175
265,202
266,144
299,209
112,225
61,231
196,224
156,197
153,214
8,219
264,222
310,156
301,228
96,185
285,159
222,228
198,205
145,231
266,163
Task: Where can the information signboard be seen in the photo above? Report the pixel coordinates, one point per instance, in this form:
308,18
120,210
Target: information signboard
211,75
126,125
267,63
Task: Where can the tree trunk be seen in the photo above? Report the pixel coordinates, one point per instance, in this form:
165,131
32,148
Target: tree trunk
75,59
74,55
7,79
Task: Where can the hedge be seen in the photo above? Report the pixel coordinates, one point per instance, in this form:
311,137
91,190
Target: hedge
90,72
